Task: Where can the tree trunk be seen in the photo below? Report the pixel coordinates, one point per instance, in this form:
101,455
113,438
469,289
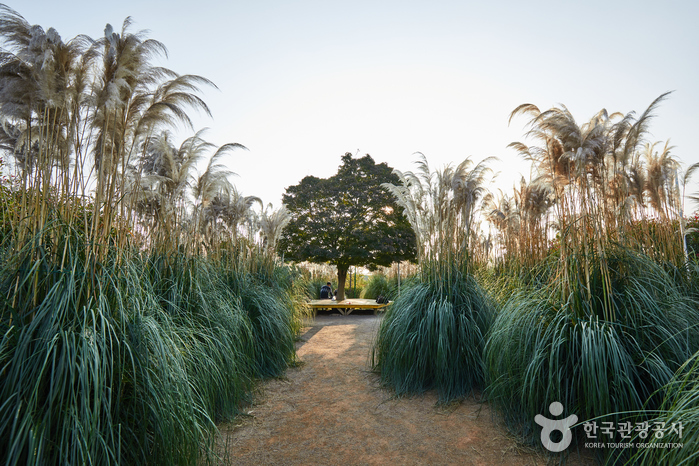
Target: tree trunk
341,278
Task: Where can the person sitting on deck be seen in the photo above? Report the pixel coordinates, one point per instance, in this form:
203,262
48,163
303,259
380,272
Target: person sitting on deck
326,292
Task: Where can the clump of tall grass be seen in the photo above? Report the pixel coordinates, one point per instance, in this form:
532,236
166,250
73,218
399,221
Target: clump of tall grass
136,295
217,335
58,353
189,363
139,371
544,348
601,319
677,417
274,308
431,339
593,184
433,335
87,373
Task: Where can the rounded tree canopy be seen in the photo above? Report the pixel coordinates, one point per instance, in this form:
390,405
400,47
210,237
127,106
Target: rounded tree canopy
347,219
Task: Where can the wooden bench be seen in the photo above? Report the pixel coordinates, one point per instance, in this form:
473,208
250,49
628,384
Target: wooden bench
348,305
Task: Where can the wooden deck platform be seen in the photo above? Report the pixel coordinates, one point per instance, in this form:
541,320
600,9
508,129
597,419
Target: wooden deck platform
348,305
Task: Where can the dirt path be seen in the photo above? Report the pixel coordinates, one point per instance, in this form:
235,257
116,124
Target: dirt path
331,410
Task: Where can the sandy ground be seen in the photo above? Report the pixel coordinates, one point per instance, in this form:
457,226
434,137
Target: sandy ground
331,410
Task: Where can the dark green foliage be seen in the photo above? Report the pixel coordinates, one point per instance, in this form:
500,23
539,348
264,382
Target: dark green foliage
347,219
54,370
271,313
380,285
432,337
133,361
377,286
353,293
680,407
599,358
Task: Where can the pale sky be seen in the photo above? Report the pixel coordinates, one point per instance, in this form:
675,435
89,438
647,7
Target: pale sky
302,82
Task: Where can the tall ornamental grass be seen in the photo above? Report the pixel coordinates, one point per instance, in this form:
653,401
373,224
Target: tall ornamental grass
430,339
140,298
543,349
601,317
273,304
139,372
678,417
433,334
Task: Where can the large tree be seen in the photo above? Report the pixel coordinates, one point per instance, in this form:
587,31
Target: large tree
347,219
